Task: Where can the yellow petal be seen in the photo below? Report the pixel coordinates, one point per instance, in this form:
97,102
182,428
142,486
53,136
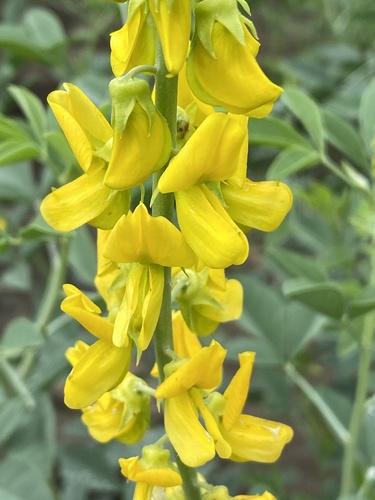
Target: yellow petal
119,204
140,309
244,89
208,229
230,300
173,22
74,354
258,205
256,439
103,419
81,121
101,368
203,370
76,203
211,154
139,237
185,342
139,151
238,389
193,444
83,310
133,44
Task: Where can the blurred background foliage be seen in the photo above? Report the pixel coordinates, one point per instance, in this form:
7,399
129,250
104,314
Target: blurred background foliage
309,289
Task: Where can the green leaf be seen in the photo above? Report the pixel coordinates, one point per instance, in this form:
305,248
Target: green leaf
14,38
307,112
16,150
325,298
38,229
45,28
32,108
343,136
21,333
274,132
277,330
17,277
291,160
298,265
12,414
367,116
17,183
12,129
364,303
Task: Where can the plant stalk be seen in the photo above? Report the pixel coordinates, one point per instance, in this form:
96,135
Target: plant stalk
166,103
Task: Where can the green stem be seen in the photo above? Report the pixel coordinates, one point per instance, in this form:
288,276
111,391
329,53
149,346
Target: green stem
163,205
15,383
50,298
366,351
329,416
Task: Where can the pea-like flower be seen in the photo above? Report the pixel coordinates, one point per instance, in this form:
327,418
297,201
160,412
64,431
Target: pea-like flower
135,43
221,68
152,471
183,388
173,22
122,414
97,368
206,298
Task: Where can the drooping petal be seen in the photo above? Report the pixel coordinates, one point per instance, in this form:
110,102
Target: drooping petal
139,151
173,22
76,203
211,154
139,237
140,309
208,229
185,342
83,310
99,370
237,391
187,435
133,44
258,205
81,121
203,370
244,89
256,439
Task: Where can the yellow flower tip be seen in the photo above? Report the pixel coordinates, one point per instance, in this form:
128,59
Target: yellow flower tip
258,205
101,368
173,22
139,150
211,154
243,90
83,124
139,237
209,230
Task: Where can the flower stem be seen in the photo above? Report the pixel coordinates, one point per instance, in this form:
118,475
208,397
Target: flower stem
166,102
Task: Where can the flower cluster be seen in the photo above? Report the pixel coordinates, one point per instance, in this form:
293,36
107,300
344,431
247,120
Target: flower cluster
199,163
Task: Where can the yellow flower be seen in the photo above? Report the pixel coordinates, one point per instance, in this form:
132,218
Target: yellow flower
142,141
211,154
97,368
206,298
153,470
133,44
250,438
84,126
221,68
185,342
84,200
173,22
122,414
139,311
182,390
208,229
139,237
258,205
